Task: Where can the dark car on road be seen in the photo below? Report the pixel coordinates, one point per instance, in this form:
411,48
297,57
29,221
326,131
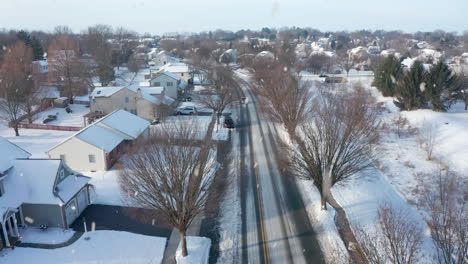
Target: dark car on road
229,123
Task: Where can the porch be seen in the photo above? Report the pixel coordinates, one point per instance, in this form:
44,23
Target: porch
10,226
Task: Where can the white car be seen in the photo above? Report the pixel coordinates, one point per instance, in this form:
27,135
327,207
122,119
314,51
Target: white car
187,110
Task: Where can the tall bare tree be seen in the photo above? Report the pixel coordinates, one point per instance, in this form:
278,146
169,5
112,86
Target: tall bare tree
222,92
337,141
286,98
171,174
447,205
16,84
66,70
397,239
96,43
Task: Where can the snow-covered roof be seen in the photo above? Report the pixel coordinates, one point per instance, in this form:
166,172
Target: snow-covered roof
175,67
153,90
48,92
69,186
8,153
170,74
265,54
101,137
125,122
32,181
105,91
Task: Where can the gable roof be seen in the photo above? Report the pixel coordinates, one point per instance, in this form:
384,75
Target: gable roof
105,91
125,122
30,181
169,74
9,152
176,67
101,137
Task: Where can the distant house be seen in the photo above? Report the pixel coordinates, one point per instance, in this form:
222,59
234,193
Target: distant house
173,84
180,69
141,101
35,192
163,58
98,146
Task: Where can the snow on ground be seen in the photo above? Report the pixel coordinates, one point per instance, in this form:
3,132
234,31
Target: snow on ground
198,251
50,236
106,188
230,216
101,247
63,118
35,141
198,123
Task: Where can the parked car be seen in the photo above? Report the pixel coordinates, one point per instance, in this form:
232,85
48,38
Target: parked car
187,110
229,123
323,76
188,99
49,118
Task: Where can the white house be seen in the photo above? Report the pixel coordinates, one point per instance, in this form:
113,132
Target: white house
180,69
98,146
172,83
163,58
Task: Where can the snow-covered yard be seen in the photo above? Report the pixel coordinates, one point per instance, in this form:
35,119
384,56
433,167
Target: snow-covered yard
101,247
198,251
50,236
63,118
106,188
35,141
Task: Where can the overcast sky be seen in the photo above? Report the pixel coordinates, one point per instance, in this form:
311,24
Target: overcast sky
160,16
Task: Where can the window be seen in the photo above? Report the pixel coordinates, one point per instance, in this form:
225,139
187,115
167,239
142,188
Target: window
127,100
92,158
94,101
170,83
157,84
62,157
61,174
182,74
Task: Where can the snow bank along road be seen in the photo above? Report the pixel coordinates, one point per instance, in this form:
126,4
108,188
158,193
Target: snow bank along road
275,225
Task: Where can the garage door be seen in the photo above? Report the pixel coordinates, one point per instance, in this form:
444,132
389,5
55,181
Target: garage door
71,211
82,199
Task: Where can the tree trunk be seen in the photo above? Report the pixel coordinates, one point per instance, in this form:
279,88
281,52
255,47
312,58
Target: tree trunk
323,203
466,105
183,243
15,127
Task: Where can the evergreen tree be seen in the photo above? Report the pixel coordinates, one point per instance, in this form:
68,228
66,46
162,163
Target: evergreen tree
443,87
386,75
33,43
409,90
38,51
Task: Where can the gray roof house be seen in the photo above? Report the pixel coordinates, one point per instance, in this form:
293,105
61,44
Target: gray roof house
35,192
98,146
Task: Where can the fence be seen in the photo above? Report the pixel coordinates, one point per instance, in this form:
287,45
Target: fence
50,127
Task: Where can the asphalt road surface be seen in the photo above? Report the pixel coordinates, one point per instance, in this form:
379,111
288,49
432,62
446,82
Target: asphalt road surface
275,225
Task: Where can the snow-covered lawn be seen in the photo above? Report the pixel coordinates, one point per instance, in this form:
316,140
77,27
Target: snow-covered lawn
101,247
50,236
35,141
63,118
106,188
198,123
198,251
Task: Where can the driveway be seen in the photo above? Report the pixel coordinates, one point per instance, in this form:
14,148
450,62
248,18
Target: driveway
119,218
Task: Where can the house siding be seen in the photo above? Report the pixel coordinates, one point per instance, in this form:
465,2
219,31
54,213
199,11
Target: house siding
76,154
37,214
163,79
116,101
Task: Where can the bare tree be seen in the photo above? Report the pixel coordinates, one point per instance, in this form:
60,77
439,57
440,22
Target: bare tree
317,62
66,70
286,98
222,92
134,64
445,200
397,239
96,43
428,138
338,140
171,174
16,85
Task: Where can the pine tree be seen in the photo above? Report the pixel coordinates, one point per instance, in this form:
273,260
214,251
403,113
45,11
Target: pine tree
386,75
443,87
409,90
37,49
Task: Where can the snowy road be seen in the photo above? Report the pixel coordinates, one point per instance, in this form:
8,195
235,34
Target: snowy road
276,228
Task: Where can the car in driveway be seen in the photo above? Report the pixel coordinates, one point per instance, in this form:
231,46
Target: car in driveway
187,110
49,118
